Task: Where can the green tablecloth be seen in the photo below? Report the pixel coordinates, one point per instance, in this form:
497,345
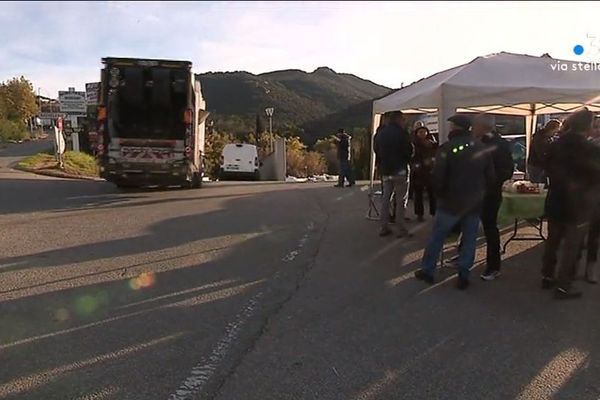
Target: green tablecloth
521,206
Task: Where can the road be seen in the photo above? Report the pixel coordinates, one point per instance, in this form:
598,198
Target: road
261,291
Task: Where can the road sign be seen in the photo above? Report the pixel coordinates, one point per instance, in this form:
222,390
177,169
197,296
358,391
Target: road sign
72,102
91,93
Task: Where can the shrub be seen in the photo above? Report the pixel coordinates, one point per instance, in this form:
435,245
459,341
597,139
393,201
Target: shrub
10,130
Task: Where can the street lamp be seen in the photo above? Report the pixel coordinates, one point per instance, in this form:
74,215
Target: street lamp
269,112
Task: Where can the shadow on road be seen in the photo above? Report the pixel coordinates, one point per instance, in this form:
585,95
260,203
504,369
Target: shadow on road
142,341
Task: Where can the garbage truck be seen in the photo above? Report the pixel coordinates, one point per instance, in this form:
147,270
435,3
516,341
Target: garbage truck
150,123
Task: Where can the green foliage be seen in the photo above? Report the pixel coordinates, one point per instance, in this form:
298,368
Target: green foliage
302,163
18,100
38,161
10,130
76,163
17,104
213,150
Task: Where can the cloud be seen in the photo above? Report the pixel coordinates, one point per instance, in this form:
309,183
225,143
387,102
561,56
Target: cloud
386,42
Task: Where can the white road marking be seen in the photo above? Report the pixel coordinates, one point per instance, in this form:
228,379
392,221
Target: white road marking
204,370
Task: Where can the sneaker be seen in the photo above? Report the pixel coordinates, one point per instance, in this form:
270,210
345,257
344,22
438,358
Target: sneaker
452,263
462,283
338,186
567,293
385,232
404,234
424,276
548,282
490,275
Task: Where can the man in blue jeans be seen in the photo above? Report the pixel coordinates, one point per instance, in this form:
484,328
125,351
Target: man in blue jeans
463,171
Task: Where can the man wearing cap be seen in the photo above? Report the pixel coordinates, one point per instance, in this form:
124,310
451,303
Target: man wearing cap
462,173
393,152
343,152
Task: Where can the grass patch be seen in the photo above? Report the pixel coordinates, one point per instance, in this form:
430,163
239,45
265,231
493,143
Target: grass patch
76,163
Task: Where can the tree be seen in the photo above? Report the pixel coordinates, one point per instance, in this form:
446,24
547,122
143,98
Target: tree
295,150
315,163
17,100
328,148
213,150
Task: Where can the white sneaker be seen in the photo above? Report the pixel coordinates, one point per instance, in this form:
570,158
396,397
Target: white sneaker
490,275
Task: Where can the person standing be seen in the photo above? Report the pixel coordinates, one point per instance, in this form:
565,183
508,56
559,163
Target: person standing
574,176
484,129
344,154
539,149
463,171
393,151
421,169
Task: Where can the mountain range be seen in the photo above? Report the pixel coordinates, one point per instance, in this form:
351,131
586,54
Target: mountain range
310,105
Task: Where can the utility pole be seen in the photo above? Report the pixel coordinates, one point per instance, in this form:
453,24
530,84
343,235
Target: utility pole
269,111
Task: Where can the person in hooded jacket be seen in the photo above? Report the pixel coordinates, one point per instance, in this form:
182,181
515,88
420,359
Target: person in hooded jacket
462,173
421,171
393,151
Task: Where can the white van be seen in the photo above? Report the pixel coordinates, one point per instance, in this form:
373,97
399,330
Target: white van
239,161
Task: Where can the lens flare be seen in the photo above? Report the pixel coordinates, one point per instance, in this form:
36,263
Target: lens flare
86,305
144,281
62,314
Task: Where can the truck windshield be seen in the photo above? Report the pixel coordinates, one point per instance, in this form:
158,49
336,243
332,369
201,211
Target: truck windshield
150,103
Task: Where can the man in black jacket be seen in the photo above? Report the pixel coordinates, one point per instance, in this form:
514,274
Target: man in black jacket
573,169
462,173
343,152
484,129
393,151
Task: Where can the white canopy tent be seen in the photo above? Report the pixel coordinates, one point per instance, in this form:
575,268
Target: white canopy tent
502,83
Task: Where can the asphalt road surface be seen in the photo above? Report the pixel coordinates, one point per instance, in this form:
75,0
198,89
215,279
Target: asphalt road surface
262,291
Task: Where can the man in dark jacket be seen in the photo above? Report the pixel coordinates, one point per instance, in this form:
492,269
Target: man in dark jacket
574,173
462,173
343,152
484,129
539,148
393,151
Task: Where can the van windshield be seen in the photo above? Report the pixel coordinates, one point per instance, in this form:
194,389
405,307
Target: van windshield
150,103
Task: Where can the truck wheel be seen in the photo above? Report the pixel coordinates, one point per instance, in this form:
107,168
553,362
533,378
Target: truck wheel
124,185
196,181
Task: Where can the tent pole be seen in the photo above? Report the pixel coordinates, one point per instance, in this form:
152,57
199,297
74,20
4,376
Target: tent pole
530,123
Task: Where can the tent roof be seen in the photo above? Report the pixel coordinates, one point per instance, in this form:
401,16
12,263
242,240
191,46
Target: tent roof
503,83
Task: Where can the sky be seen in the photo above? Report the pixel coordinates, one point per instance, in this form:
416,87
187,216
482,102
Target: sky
57,45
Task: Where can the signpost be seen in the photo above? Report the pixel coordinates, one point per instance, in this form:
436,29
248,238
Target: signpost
71,102
91,93
59,142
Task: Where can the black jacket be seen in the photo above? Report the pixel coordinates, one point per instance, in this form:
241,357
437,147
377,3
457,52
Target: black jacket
539,149
504,166
343,147
462,174
424,158
573,167
393,149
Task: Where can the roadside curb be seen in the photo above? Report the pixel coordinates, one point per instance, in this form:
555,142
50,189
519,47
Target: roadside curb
57,174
